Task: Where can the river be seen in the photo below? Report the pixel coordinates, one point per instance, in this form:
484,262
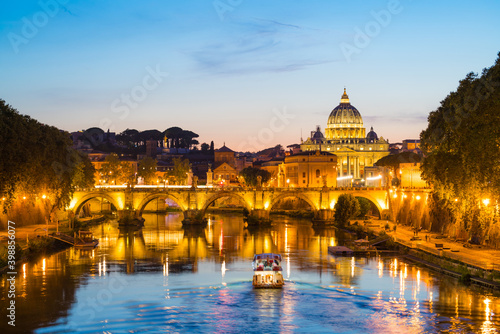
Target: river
164,278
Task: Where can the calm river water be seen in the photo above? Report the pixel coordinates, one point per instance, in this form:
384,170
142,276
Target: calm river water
165,278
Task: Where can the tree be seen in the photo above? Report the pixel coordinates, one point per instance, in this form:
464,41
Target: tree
461,144
250,174
147,169
85,173
173,135
394,160
180,170
38,162
347,207
128,138
364,206
212,146
205,147
126,174
187,139
111,169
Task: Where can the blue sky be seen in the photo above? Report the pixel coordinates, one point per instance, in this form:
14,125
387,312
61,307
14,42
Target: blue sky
252,74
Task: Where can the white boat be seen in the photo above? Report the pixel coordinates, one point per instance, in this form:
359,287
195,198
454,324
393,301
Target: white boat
267,271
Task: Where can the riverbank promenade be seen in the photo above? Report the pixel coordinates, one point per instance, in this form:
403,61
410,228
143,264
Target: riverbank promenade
479,256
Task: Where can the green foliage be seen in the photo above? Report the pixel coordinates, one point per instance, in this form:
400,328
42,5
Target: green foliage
84,173
250,174
205,147
394,160
126,173
179,138
465,279
147,169
40,245
347,207
179,173
37,160
364,206
4,255
111,168
462,157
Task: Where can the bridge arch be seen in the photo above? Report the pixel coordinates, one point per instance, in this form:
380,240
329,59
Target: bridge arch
223,194
295,194
84,199
157,195
372,200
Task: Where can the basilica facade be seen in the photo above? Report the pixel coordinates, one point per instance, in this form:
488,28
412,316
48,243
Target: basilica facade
345,136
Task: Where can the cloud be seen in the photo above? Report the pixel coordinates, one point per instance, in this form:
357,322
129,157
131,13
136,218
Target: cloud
258,45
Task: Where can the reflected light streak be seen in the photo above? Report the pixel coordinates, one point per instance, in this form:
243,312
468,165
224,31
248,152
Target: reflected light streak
487,308
100,269
286,239
223,268
43,267
401,285
430,301
352,266
418,280
288,267
24,271
104,267
332,242
221,239
165,267
380,268
487,326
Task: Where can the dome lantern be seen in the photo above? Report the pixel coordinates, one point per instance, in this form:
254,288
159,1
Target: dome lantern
345,121
344,98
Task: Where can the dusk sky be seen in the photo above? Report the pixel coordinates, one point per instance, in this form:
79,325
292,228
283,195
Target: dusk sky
233,70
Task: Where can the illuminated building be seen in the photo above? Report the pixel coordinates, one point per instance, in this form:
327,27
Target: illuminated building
225,165
308,169
345,137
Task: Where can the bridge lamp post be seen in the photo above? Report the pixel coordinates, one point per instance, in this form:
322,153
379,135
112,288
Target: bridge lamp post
288,183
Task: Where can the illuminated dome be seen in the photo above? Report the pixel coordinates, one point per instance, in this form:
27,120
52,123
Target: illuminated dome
345,121
371,136
317,136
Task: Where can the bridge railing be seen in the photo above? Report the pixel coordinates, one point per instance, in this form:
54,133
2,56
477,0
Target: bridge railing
230,188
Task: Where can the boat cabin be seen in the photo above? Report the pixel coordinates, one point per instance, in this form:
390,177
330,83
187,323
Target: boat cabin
267,261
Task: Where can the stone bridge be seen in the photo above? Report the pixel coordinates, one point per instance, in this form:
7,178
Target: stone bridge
131,202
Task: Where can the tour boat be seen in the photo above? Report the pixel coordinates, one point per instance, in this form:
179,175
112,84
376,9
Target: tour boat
267,271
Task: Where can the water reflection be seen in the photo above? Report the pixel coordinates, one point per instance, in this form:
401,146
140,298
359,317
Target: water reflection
165,274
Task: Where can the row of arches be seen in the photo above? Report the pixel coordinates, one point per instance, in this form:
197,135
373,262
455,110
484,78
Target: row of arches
219,195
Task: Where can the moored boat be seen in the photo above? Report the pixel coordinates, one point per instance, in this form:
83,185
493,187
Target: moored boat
85,239
267,271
